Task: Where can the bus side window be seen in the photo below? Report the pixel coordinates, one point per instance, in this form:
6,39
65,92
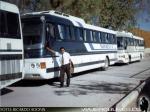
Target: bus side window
50,31
97,37
93,35
85,35
78,33
61,31
103,37
113,38
128,41
67,33
88,35
72,33
100,38
109,38
81,36
50,34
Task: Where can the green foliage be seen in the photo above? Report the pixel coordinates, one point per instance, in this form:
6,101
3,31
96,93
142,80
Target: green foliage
115,14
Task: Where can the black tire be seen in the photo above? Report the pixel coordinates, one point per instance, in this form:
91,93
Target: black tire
106,65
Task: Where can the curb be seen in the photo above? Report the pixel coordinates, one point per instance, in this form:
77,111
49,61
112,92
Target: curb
131,97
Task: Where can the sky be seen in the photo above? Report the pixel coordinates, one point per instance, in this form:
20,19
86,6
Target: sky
143,17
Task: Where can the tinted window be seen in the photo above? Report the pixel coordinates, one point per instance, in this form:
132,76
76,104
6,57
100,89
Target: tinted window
120,42
9,25
100,37
50,31
88,35
94,36
78,33
67,32
61,31
97,36
104,38
91,36
64,32
111,39
72,33
84,35
32,33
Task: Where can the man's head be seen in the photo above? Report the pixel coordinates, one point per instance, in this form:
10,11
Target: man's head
62,50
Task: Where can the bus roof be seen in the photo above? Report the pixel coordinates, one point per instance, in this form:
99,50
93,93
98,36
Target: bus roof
124,34
137,37
74,20
88,26
70,19
8,7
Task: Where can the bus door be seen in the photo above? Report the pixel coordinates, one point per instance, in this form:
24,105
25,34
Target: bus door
50,41
50,34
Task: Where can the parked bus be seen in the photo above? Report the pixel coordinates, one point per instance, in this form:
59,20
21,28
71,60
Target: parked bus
11,45
90,46
130,47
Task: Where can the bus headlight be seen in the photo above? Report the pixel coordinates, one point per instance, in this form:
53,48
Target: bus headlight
43,65
37,65
32,65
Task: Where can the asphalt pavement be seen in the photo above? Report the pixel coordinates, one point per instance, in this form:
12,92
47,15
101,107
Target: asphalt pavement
95,88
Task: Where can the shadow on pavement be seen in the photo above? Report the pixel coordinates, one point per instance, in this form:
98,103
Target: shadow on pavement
5,91
34,83
96,88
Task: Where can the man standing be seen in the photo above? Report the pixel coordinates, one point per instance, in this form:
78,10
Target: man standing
65,61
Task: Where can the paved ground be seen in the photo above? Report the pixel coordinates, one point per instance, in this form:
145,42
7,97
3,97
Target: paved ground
91,89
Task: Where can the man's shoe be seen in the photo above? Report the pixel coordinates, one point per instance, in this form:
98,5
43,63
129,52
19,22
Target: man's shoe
61,85
68,85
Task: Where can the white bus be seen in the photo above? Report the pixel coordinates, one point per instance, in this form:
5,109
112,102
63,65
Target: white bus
130,47
90,46
11,45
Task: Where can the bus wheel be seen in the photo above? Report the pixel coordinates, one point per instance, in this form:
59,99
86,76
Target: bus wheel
106,65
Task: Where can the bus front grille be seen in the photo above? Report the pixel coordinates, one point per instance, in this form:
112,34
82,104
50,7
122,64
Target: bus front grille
10,66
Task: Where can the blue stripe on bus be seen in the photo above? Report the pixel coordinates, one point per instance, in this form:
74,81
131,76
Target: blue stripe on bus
31,54
48,70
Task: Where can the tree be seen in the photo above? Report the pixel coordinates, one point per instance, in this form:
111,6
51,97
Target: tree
114,14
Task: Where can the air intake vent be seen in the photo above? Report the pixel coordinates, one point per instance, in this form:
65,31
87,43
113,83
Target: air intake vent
57,12
60,13
10,66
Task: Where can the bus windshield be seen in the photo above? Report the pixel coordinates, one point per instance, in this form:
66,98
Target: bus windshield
9,25
32,33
